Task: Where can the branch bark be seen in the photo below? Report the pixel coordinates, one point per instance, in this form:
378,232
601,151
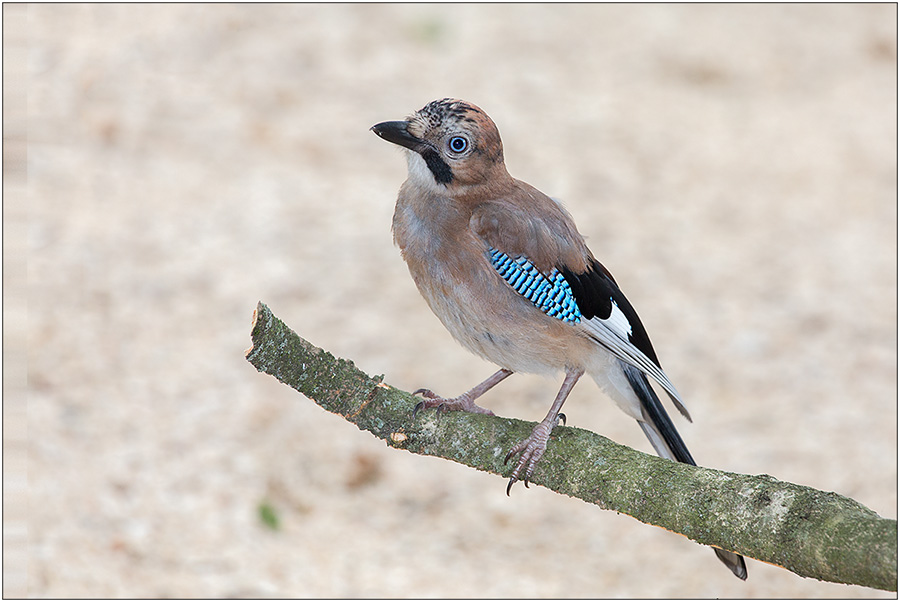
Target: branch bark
809,532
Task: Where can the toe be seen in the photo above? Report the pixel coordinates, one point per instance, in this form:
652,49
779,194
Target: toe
515,450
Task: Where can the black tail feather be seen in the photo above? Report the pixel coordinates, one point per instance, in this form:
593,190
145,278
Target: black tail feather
659,429
656,416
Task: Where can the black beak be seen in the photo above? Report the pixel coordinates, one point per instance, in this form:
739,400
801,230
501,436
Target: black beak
396,132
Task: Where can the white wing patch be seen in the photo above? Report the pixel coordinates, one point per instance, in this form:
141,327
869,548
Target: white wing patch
617,322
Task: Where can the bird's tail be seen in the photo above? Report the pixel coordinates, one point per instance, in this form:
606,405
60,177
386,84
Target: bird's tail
668,444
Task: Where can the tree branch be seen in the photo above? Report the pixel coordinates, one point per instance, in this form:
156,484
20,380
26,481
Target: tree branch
809,532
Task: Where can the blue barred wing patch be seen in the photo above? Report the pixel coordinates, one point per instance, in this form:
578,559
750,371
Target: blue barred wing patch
550,293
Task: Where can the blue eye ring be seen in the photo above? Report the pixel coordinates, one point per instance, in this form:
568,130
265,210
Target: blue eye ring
458,144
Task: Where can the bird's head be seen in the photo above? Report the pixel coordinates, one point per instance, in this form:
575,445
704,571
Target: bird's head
454,145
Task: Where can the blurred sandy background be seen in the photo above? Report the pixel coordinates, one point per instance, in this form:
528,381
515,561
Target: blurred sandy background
734,166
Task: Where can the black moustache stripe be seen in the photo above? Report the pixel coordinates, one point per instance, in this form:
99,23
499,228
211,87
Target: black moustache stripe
439,168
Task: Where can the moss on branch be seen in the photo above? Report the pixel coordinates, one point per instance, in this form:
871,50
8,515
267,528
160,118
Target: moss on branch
809,532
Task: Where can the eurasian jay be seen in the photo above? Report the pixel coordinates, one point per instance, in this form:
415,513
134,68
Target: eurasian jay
504,268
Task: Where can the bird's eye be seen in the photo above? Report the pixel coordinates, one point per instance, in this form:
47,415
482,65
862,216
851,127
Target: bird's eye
458,144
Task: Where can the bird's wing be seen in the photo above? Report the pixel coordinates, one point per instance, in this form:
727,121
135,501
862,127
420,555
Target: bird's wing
534,246
611,320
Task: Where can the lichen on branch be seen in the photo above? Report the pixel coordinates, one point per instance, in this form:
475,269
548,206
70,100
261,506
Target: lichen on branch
809,532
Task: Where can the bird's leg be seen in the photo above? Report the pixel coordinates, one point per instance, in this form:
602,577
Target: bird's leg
463,403
533,448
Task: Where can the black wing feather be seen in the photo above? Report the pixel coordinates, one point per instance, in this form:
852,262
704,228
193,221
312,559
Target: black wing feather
595,290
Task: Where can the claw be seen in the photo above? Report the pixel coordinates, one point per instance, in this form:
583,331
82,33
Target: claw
515,473
561,418
512,481
418,407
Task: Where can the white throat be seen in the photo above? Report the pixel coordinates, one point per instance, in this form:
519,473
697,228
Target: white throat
420,175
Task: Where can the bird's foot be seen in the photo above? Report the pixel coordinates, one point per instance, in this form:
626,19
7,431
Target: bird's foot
532,449
463,403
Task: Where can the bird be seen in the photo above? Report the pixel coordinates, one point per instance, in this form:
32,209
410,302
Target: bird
504,268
